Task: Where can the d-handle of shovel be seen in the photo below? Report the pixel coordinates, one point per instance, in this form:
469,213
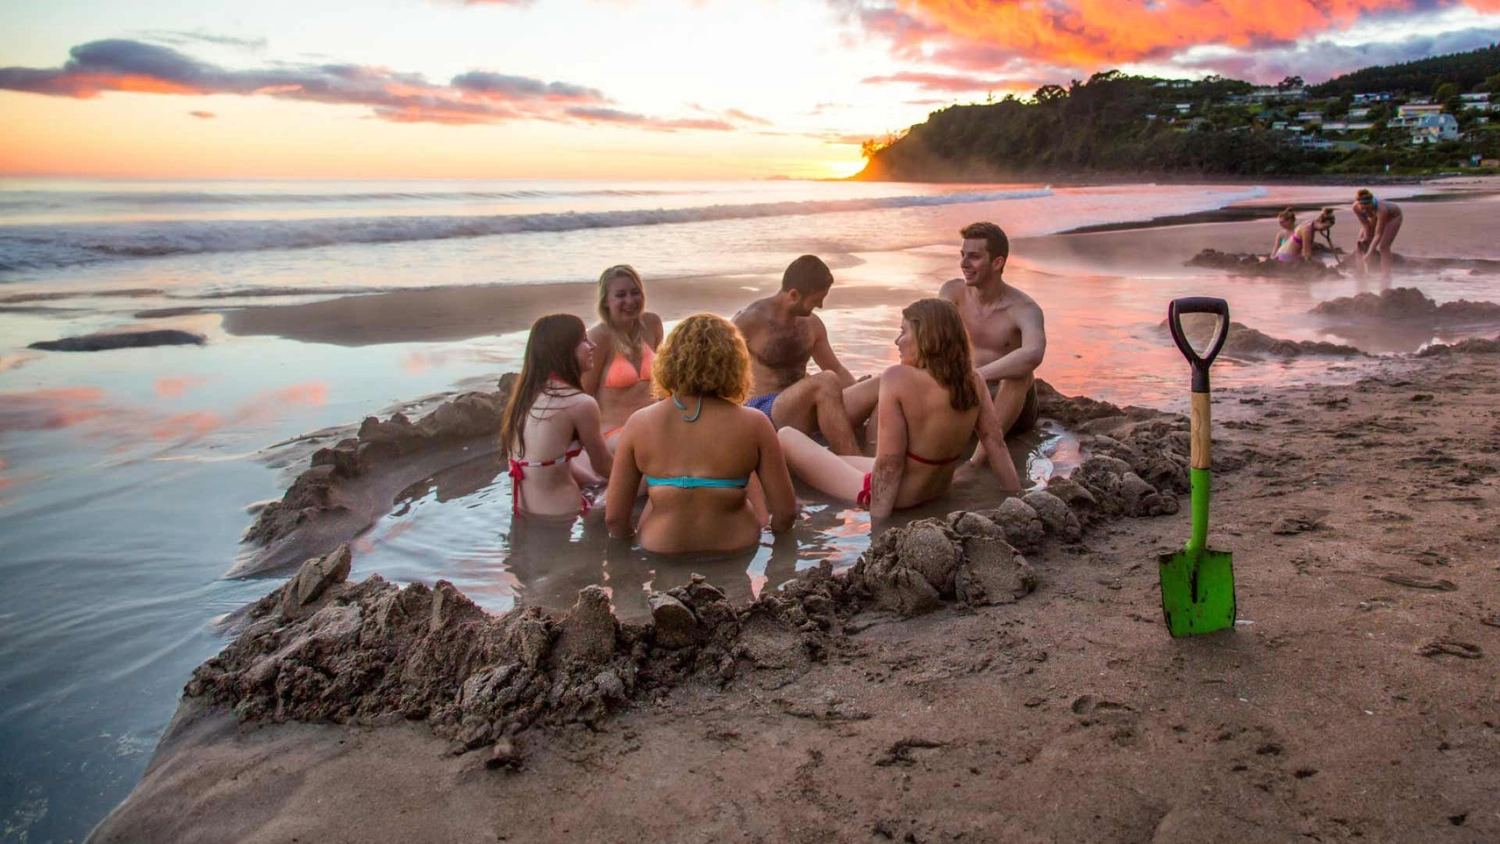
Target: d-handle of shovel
1200,450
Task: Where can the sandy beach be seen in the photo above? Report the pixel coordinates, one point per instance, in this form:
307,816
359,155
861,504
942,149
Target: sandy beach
1354,700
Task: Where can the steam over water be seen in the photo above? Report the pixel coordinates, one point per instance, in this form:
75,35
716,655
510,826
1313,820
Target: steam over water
125,476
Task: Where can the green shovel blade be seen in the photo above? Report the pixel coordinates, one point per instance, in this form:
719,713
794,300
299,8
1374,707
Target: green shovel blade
1197,583
1197,591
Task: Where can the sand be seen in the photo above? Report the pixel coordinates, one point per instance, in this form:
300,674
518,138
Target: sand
1355,701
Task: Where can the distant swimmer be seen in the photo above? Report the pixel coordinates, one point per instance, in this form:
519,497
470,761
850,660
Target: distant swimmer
783,334
1299,247
1379,223
1004,324
627,337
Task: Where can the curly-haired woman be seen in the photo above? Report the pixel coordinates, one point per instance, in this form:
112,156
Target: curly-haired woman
929,405
699,450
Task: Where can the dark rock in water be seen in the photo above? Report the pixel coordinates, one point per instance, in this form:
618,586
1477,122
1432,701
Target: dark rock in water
1245,263
1407,304
122,340
1476,346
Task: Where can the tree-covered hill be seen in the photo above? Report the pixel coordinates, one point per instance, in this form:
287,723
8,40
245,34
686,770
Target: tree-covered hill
1120,124
1468,71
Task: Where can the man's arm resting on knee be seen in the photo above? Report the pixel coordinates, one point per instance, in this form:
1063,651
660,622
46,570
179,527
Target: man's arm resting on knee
824,356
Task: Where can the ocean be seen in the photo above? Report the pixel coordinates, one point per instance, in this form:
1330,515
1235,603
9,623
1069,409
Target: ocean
126,477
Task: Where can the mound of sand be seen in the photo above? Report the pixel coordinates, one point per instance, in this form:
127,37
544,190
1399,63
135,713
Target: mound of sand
1246,343
1247,263
1407,304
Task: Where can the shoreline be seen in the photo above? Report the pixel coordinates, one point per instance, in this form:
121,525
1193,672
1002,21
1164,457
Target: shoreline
1351,700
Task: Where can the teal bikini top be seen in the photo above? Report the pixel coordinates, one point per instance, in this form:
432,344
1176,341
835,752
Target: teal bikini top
687,482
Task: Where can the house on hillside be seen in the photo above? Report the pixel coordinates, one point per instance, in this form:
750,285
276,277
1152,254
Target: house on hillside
1357,113
1310,117
1269,93
1376,97
1433,128
1347,126
1479,102
1183,108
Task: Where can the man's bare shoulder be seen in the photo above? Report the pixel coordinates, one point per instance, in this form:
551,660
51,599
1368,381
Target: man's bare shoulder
754,313
1020,300
953,290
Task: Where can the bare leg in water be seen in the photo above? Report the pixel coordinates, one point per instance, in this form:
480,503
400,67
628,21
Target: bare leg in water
816,403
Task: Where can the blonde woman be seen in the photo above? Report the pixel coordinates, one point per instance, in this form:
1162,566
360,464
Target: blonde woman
627,336
929,405
699,450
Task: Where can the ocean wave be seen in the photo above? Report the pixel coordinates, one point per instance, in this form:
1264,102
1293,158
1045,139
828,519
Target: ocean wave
20,202
36,247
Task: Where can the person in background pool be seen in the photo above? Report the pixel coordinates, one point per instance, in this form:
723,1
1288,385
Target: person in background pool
1288,220
1299,247
928,406
550,420
627,336
1379,223
699,451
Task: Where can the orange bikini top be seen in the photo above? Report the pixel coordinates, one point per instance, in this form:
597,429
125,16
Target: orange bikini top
622,374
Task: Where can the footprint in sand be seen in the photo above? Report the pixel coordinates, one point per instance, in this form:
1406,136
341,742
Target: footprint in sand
1451,647
1417,582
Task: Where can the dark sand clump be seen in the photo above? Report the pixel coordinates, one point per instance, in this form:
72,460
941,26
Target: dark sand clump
106,341
1400,304
1251,264
1246,343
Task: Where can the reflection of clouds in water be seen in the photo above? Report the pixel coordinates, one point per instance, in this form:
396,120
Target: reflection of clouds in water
507,352
176,388
9,362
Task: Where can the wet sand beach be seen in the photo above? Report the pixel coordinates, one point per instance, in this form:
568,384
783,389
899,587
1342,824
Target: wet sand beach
1354,701
174,449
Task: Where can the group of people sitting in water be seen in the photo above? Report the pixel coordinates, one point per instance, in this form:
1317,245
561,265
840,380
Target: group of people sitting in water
1379,223
711,420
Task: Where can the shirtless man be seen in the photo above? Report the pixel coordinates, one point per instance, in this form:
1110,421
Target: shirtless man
1004,324
1005,328
783,334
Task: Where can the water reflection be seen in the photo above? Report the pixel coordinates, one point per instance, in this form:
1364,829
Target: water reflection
457,525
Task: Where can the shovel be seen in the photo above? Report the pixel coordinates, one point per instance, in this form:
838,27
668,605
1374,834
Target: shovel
1197,583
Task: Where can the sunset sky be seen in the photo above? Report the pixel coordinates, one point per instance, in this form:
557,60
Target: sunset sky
610,88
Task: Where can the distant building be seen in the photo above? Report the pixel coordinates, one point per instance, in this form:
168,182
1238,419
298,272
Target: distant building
1347,126
1272,93
1279,126
1433,128
1356,113
1184,108
1309,117
1377,97
1490,162
1416,109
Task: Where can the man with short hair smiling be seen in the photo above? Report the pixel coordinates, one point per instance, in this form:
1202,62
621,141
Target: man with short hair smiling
1005,325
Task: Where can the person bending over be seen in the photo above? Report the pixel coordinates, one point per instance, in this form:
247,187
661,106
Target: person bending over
549,420
928,406
627,336
783,334
699,450
1379,223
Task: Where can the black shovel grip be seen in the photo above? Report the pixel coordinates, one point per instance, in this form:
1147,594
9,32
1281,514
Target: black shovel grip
1198,305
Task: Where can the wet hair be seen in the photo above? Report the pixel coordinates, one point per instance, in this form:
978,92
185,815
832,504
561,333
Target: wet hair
995,241
943,348
703,356
807,275
1287,218
550,357
623,344
1364,195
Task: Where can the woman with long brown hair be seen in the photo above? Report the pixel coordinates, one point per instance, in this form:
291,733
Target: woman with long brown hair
699,451
929,405
550,420
627,336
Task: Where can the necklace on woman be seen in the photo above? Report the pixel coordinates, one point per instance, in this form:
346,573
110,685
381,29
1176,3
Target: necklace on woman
696,413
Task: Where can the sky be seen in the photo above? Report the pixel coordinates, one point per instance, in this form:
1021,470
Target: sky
610,89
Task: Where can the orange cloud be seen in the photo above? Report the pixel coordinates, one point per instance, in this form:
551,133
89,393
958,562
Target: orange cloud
1098,33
